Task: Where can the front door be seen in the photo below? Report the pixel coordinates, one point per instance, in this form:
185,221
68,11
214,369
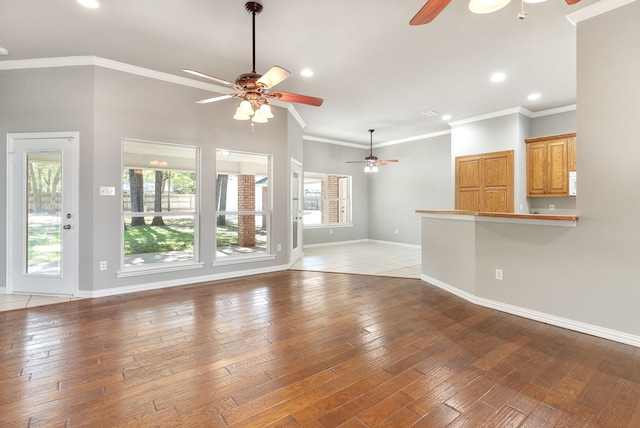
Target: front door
42,211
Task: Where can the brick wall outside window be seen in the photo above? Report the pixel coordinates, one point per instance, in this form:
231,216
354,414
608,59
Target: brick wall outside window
246,202
333,192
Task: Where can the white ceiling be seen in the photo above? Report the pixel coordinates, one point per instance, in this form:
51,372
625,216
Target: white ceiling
372,68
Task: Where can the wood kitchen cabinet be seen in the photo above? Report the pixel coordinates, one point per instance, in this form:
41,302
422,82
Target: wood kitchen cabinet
484,182
549,160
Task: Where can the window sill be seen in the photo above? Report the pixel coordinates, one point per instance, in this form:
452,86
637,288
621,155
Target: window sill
149,270
234,260
326,226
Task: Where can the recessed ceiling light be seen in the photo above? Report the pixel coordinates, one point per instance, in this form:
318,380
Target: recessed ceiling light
498,77
446,117
3,51
533,97
307,72
93,4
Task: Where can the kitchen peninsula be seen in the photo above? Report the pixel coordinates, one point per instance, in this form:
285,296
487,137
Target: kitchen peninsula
500,260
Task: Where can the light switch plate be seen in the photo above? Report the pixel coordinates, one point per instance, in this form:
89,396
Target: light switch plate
107,191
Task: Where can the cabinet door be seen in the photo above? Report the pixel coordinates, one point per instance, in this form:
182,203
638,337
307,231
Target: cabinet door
536,169
558,178
485,182
468,183
572,153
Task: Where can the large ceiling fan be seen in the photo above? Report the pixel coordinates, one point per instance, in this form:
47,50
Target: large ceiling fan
255,89
433,8
371,162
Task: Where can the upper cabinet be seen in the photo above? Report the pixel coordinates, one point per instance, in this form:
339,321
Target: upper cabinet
549,160
484,182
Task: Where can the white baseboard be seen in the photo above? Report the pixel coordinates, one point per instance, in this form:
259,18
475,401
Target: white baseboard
329,244
360,241
591,329
177,282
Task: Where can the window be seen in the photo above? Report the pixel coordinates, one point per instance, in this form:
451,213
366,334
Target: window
159,204
327,199
243,201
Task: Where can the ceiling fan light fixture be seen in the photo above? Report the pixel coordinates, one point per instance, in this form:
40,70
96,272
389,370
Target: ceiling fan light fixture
486,6
265,110
240,115
259,117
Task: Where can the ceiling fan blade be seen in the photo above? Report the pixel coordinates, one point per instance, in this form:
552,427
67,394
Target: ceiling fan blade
430,10
355,162
382,162
296,98
274,76
214,99
571,1
206,76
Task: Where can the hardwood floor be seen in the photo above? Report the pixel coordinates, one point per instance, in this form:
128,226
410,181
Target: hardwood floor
306,349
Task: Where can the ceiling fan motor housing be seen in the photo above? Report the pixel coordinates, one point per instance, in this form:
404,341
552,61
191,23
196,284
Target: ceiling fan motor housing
253,7
249,82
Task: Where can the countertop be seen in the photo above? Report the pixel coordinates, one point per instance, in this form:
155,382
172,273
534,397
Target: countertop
506,217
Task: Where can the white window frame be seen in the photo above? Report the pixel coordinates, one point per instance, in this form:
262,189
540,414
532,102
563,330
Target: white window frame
325,199
129,271
266,212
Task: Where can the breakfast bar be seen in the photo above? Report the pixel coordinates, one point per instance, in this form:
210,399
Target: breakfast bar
506,261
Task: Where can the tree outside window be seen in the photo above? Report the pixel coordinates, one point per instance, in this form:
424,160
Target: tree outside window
159,203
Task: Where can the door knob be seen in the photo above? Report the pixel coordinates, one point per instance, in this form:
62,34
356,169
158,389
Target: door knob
66,227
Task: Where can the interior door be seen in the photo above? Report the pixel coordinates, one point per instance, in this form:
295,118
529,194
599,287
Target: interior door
43,236
296,210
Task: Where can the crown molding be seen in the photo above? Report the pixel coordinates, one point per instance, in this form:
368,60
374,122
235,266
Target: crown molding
557,110
507,112
75,61
596,9
336,142
416,138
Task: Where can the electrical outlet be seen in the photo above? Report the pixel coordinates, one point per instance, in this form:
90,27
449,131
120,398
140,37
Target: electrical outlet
279,247
552,207
330,231
103,265
499,274
396,231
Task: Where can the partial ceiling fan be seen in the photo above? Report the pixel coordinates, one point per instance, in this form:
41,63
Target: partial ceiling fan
371,162
433,8
255,89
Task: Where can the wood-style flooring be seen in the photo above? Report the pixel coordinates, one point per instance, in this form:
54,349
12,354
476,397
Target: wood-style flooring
306,349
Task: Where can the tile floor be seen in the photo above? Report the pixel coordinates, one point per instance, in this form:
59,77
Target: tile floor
18,301
368,258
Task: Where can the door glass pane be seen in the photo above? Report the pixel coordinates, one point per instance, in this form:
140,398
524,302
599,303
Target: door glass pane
295,207
44,208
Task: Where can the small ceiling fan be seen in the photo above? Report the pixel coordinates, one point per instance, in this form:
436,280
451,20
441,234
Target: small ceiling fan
255,89
371,162
433,8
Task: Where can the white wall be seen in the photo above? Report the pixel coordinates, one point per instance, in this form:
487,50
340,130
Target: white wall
331,159
420,179
106,106
589,274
